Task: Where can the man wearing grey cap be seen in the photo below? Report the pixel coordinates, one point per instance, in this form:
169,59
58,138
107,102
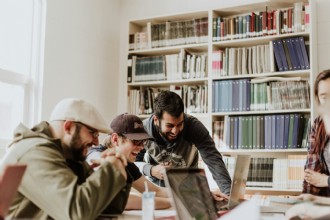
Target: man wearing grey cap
52,186
127,137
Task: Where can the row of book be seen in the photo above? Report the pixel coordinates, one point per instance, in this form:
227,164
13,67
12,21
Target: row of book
170,33
280,131
279,173
194,98
183,65
291,54
268,22
186,65
273,93
241,61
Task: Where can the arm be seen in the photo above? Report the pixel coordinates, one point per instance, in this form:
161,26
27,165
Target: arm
210,155
139,186
52,186
161,198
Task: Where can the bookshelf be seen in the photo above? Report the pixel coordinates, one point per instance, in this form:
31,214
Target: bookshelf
183,45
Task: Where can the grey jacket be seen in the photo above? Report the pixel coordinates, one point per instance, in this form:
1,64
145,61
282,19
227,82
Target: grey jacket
184,152
49,188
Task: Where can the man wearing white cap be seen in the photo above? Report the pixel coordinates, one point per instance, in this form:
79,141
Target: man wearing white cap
51,186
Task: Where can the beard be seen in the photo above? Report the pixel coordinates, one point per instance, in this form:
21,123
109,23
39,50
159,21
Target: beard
166,135
76,147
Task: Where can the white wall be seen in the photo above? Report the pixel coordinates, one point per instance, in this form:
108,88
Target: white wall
134,10
81,54
86,46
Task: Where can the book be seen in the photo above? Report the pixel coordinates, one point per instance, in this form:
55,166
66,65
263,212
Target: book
277,56
304,52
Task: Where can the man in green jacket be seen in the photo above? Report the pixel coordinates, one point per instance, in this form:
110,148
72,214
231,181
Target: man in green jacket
58,183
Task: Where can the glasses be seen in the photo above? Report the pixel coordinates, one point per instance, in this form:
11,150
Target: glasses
92,131
138,142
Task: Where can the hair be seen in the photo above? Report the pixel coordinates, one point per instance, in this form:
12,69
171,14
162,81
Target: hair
169,102
324,75
320,134
107,140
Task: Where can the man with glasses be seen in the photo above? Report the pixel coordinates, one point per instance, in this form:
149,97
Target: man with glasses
58,183
177,140
128,137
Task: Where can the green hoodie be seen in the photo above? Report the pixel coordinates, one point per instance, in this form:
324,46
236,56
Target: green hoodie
50,188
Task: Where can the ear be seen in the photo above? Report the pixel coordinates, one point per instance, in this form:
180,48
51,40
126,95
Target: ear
68,126
154,117
115,139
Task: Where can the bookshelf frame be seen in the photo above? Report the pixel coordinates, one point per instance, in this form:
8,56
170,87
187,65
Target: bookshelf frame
207,47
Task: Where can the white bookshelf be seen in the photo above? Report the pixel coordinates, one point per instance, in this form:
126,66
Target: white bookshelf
207,47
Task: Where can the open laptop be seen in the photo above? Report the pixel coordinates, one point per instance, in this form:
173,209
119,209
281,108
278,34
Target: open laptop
9,183
191,196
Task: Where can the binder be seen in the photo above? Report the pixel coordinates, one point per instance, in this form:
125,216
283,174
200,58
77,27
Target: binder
277,56
304,52
292,53
282,55
296,46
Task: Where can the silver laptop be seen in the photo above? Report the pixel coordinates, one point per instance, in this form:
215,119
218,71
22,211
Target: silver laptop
191,196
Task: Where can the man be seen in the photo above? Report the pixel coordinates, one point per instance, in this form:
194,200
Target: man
53,185
128,136
178,137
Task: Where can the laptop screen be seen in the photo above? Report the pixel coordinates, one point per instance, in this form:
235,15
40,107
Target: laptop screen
190,194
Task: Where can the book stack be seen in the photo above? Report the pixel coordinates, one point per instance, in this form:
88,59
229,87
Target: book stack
262,23
280,131
290,54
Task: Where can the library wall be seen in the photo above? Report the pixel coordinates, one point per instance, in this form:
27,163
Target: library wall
81,54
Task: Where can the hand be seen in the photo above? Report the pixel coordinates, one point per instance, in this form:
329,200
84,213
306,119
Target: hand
315,178
117,160
219,196
307,211
159,170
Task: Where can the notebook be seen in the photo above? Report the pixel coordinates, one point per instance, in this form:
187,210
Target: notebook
190,193
9,183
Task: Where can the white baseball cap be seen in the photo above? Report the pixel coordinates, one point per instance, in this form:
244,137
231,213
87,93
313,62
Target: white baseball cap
78,110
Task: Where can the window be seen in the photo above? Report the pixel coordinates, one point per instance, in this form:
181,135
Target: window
22,30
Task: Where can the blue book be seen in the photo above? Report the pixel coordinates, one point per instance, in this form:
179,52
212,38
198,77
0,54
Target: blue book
282,55
235,97
292,54
304,52
229,92
296,45
286,131
277,56
213,95
273,131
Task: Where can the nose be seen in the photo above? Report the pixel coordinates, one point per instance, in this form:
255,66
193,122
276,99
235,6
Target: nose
95,141
175,130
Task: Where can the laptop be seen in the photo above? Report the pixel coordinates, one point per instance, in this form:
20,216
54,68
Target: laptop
9,183
190,194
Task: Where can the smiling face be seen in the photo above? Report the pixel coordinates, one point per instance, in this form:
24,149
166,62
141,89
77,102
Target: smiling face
170,127
129,148
82,138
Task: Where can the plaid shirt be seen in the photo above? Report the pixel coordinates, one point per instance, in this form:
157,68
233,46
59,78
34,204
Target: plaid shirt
316,162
